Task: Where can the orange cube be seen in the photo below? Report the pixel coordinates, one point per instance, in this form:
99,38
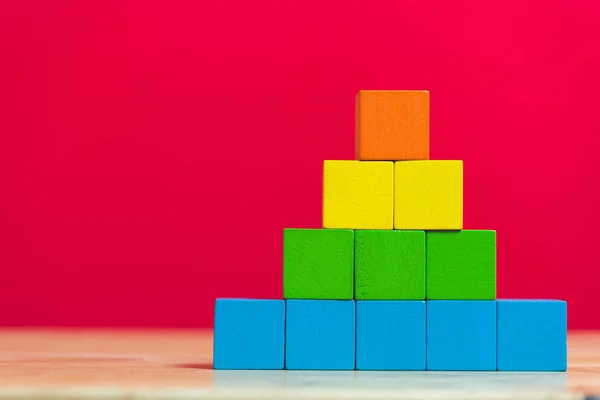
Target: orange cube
392,125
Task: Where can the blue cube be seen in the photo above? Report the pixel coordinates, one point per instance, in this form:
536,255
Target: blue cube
390,335
461,335
532,335
319,334
249,334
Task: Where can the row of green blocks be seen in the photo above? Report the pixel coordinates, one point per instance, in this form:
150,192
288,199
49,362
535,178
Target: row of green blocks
389,264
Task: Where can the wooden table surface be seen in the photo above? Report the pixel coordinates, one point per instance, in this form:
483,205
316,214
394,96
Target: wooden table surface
80,364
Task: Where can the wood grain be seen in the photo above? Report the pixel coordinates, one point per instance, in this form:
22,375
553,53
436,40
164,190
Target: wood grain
102,364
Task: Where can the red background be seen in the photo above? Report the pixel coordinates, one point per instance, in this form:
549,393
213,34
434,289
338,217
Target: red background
151,152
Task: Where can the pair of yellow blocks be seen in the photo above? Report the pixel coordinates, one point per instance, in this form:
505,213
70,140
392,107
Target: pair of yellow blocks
392,184
425,195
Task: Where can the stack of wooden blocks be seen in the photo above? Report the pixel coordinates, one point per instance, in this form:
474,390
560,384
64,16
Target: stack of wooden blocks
392,281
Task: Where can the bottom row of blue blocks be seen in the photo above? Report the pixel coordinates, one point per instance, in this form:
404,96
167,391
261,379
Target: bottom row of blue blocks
440,335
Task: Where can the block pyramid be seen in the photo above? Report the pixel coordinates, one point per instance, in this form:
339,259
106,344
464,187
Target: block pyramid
392,281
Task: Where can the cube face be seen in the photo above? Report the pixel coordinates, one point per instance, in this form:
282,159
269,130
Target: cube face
461,265
532,335
320,334
461,335
389,265
390,335
318,264
392,125
249,334
428,195
358,195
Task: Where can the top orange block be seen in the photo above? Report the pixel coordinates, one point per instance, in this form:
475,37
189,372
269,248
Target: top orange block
392,125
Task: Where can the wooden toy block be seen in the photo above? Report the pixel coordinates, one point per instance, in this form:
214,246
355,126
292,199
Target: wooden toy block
249,334
318,264
392,125
428,195
532,335
358,194
390,335
461,335
320,334
461,265
389,265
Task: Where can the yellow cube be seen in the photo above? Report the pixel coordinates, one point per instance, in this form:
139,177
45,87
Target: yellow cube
358,194
428,195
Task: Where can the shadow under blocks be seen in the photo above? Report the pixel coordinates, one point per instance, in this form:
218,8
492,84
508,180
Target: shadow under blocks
391,281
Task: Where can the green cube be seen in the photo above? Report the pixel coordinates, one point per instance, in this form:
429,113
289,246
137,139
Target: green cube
390,265
318,264
461,265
